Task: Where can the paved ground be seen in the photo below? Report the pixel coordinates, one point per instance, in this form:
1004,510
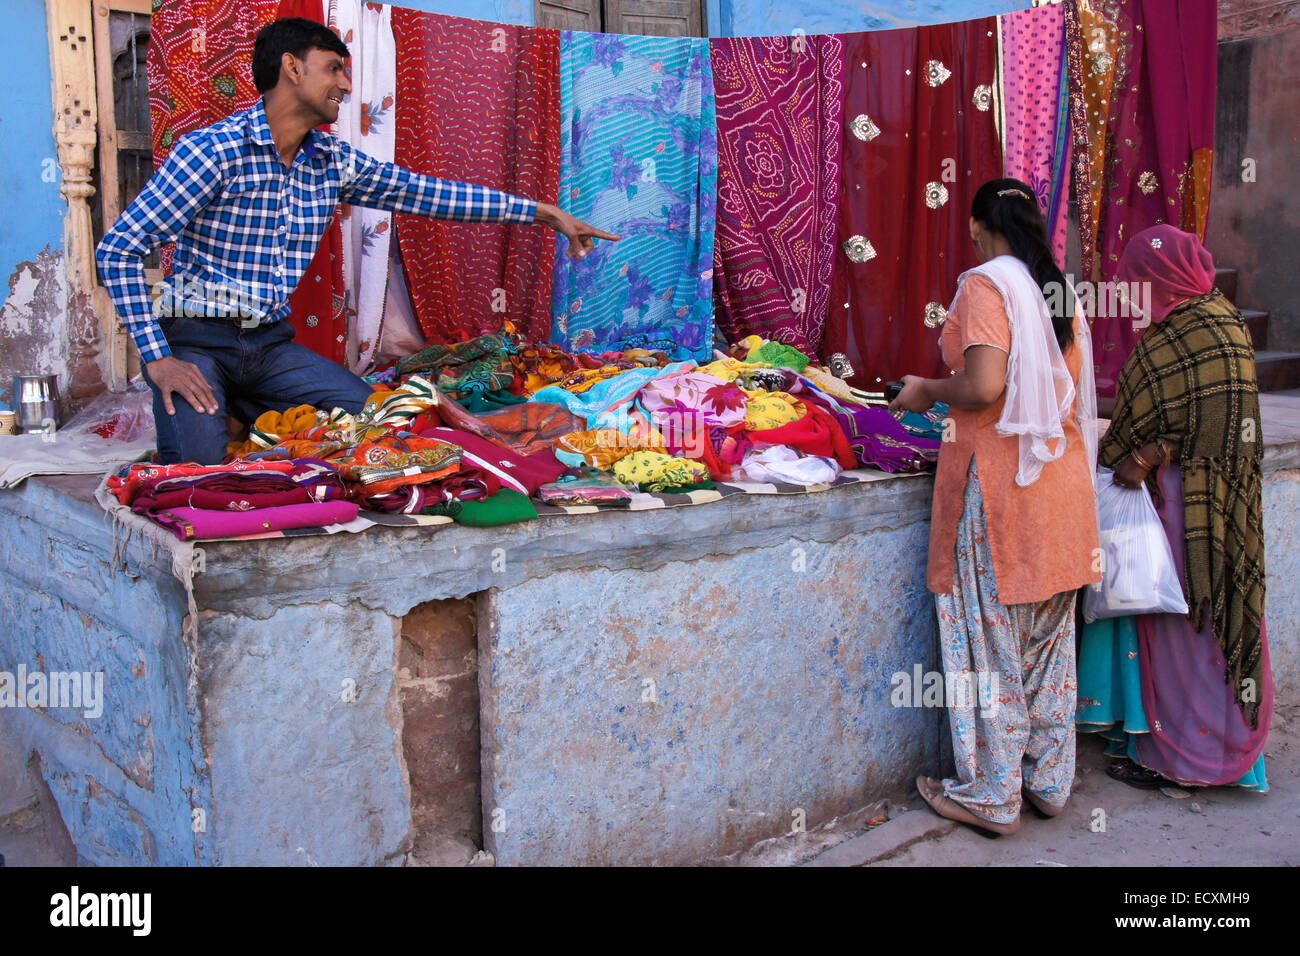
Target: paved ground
1210,826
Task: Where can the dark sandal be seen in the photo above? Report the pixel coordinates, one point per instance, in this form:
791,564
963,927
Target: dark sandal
1126,771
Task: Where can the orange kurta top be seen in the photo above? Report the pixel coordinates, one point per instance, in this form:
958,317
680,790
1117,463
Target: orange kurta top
1044,536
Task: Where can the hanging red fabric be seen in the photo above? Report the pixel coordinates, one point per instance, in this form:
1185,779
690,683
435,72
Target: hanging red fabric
919,140
200,67
478,102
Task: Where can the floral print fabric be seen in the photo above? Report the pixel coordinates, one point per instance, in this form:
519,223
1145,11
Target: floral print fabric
1022,658
638,158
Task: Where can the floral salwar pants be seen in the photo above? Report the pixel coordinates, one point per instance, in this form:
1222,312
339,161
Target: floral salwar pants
1017,729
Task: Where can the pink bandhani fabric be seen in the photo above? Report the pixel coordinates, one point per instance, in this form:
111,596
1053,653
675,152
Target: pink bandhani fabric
780,106
1031,65
478,102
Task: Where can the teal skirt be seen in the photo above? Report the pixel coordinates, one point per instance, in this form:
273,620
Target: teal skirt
1110,693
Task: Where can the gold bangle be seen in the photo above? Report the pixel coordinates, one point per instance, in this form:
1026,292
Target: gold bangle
1142,462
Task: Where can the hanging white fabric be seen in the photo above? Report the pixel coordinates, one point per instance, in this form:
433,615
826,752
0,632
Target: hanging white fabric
367,120
1040,389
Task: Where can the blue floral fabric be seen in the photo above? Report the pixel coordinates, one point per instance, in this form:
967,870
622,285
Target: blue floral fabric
639,158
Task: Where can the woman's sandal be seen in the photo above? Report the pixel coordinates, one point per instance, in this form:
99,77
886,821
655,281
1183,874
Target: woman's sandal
1126,771
1043,809
952,810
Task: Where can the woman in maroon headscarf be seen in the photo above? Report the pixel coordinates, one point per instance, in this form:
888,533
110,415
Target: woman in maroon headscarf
1187,698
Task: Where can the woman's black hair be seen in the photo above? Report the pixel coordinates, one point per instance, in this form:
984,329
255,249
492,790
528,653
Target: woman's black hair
295,35
1008,207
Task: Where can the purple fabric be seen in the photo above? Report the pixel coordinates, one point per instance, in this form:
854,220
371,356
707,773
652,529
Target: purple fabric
1198,734
780,106
198,524
879,441
1032,65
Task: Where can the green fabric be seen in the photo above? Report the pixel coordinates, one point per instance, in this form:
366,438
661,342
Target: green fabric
704,485
778,354
505,507
479,402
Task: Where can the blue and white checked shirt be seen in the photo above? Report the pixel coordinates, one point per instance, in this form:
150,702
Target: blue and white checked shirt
246,228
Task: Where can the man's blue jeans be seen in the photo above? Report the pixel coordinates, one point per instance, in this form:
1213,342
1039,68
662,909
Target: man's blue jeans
251,370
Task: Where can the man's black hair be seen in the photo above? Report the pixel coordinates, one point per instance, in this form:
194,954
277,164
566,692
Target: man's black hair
295,35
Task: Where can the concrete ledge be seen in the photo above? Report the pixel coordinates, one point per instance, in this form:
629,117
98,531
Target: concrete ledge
885,840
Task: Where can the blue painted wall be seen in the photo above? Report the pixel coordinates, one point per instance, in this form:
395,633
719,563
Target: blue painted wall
518,12
772,17
33,207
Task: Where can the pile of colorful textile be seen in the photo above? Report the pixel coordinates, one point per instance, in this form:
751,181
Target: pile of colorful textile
479,430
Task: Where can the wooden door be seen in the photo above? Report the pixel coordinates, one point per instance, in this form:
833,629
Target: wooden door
568,15
662,18
665,18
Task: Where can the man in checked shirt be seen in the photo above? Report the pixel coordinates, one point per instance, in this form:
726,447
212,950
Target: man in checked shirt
246,201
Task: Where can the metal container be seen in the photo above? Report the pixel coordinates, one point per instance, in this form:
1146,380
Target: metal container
36,400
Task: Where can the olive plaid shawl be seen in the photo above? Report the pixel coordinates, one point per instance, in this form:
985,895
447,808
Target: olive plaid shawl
1191,383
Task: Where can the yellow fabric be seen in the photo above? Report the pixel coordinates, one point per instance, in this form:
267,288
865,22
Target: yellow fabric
772,409
835,387
275,425
602,447
728,369
751,344
653,471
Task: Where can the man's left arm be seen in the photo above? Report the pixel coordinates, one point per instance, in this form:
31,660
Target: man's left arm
378,185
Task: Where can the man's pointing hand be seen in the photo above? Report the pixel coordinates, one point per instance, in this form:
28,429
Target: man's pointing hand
581,236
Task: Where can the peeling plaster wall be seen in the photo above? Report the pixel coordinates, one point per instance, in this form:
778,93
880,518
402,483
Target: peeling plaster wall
34,322
33,326
1254,223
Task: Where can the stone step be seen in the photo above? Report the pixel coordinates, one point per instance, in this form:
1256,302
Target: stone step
1257,322
1277,371
1226,280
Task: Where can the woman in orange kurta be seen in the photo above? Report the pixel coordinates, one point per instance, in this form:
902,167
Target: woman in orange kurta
1014,526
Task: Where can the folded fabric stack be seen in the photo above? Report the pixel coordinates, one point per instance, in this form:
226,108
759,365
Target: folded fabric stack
241,497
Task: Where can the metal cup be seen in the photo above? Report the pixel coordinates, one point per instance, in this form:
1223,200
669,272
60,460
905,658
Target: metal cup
36,399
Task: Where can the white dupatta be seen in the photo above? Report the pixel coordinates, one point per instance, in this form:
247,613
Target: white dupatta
1039,387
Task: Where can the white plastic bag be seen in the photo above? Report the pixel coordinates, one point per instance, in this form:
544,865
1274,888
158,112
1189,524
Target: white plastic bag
1138,575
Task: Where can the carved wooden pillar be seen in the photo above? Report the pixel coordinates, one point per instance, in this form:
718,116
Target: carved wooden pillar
90,313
